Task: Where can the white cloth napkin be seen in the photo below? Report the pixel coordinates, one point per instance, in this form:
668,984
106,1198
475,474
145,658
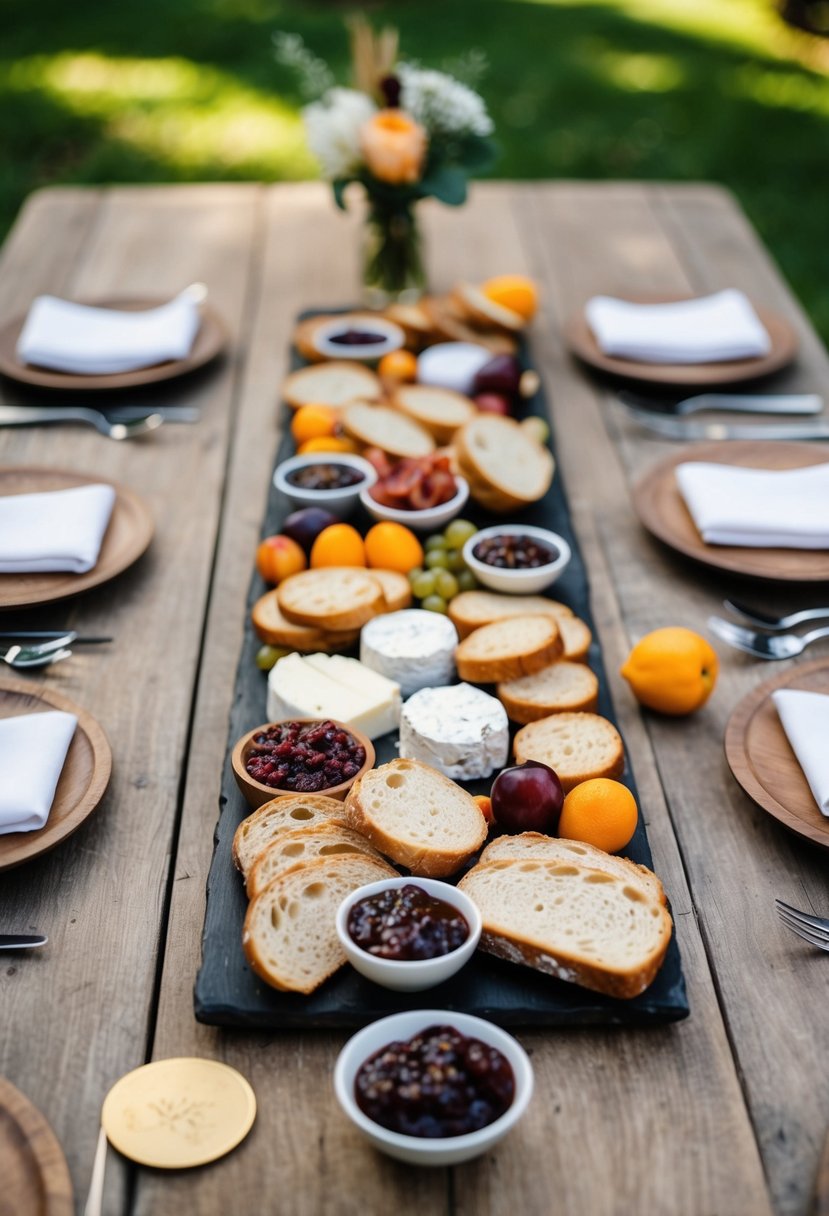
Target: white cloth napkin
758,508
58,530
711,329
102,341
805,719
33,750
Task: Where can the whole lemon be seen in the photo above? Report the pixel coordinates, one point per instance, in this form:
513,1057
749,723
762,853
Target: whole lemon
672,670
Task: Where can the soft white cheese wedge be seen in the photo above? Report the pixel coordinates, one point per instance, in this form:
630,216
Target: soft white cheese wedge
414,648
332,686
459,730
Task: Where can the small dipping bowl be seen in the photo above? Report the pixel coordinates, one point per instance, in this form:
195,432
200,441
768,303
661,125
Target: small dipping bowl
256,793
418,1150
339,502
427,520
518,582
410,975
389,337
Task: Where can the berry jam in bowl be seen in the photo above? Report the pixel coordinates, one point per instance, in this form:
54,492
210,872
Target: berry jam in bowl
300,756
408,934
517,558
358,336
336,488
472,1083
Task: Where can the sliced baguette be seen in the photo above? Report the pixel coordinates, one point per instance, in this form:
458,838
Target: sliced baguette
416,816
579,746
397,590
584,925
576,637
331,598
508,649
440,410
555,689
472,609
290,937
334,383
276,630
506,468
275,818
381,426
308,843
483,312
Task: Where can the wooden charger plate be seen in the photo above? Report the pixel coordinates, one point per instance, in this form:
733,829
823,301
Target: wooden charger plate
128,535
582,342
662,510
761,758
35,1175
210,340
82,783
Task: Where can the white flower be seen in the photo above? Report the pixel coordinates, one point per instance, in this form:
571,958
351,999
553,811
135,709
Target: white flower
333,126
442,104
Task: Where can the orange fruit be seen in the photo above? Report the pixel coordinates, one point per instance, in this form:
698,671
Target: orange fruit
671,670
338,545
392,546
277,557
313,422
326,443
513,291
398,365
599,812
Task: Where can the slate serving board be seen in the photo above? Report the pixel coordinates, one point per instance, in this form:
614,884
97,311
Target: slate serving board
228,993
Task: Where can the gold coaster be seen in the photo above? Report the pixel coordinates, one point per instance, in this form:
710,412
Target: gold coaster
177,1113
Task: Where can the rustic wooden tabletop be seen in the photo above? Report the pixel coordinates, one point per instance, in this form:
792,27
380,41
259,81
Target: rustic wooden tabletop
724,1113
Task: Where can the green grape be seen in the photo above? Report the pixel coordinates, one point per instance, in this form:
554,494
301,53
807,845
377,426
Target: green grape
437,558
424,584
446,584
414,574
434,603
267,656
456,561
458,533
467,580
434,542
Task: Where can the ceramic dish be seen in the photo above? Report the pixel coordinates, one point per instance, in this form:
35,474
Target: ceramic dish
339,502
430,520
390,337
413,975
518,582
256,793
414,1149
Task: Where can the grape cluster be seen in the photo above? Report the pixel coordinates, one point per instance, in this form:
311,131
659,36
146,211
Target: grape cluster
444,572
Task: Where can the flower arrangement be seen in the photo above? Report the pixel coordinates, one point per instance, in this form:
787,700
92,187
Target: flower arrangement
402,132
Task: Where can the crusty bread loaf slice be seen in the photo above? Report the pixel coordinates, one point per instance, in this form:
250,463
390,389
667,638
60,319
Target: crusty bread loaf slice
331,598
485,313
581,924
450,323
535,846
275,818
555,689
333,383
416,816
472,609
381,426
579,746
308,843
508,649
576,637
502,462
276,630
397,590
290,936
440,410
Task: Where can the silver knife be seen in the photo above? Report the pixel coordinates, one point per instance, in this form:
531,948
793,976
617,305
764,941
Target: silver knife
678,428
22,941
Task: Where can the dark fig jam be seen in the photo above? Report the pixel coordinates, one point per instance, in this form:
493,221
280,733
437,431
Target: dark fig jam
512,551
437,1084
357,337
406,923
327,476
305,757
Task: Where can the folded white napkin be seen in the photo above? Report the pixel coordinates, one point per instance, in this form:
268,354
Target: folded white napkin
711,329
33,749
102,341
58,530
805,719
759,508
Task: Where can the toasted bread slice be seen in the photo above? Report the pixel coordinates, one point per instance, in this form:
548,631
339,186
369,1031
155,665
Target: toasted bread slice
579,746
472,609
292,849
451,323
535,846
397,590
334,383
416,816
381,426
505,466
334,598
276,630
485,313
440,410
576,637
276,818
555,689
508,649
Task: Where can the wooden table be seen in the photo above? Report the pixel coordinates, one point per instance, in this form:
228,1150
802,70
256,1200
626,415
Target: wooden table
725,1113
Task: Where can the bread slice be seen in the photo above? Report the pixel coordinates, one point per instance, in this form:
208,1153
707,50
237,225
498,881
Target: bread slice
291,849
508,649
584,925
450,323
555,689
535,846
276,630
576,637
333,383
290,936
331,598
277,817
397,590
579,746
440,410
381,426
416,816
472,609
483,312
506,468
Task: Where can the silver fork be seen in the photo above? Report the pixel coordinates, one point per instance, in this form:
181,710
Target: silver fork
767,621
739,403
34,415
764,645
813,929
40,655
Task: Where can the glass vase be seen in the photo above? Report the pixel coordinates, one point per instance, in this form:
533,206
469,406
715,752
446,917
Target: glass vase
392,256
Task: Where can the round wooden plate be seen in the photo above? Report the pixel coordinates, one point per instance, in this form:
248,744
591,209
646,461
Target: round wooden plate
35,1174
130,531
582,342
761,758
83,780
662,510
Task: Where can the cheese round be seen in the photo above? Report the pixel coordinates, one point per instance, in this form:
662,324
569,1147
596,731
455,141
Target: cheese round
414,648
459,730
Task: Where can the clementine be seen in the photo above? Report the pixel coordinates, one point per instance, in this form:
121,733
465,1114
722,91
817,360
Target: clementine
513,291
391,546
327,443
338,545
313,422
397,366
599,812
671,670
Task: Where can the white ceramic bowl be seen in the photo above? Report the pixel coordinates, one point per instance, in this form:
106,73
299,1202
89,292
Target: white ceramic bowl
393,338
430,520
518,582
415,1149
339,502
416,974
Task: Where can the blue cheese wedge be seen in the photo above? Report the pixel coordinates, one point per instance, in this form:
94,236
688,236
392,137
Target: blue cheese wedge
459,730
414,648
332,686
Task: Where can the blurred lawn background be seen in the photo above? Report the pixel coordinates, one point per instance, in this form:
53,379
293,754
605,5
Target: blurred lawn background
95,91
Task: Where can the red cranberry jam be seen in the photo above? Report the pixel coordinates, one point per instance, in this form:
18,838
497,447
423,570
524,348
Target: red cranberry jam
325,476
437,1084
406,923
514,552
304,756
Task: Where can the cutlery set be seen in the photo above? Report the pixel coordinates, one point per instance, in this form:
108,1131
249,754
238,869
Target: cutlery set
40,648
119,422
773,642
673,424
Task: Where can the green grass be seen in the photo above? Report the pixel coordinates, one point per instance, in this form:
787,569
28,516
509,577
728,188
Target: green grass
183,90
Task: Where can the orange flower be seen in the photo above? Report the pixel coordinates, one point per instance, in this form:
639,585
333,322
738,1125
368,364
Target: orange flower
394,146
